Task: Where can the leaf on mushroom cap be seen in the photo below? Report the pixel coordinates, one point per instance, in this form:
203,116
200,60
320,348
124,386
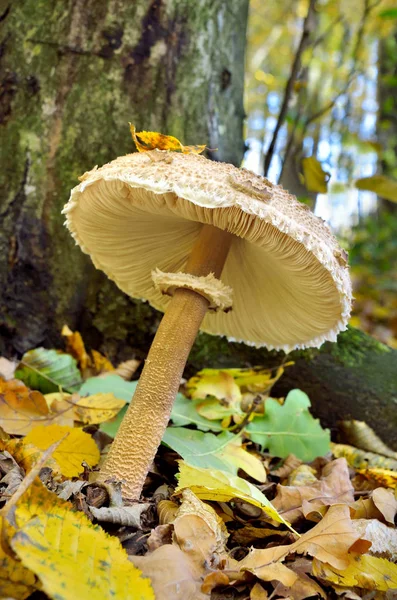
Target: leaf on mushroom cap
291,286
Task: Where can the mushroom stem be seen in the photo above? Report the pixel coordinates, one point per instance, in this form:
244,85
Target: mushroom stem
143,426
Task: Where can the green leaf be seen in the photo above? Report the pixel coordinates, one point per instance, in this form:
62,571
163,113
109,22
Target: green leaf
388,13
184,412
110,383
381,185
290,429
314,177
223,452
48,370
112,427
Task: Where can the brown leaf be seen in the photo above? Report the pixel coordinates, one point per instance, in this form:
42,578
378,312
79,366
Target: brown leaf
128,516
160,535
386,502
303,587
258,593
127,369
329,541
212,580
172,574
334,487
289,465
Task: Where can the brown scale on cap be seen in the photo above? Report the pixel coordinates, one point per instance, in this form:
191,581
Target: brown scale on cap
183,213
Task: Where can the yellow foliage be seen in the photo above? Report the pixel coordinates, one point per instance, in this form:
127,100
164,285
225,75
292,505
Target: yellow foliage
98,408
77,447
72,557
151,140
314,177
363,571
218,486
27,455
75,346
382,477
16,581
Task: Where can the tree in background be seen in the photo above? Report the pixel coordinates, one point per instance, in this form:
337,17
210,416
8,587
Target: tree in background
72,75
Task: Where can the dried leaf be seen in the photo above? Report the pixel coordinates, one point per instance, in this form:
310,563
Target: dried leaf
77,448
20,407
361,435
288,466
273,572
334,487
28,455
258,593
171,573
151,140
383,538
210,484
129,516
166,510
381,477
329,541
363,571
386,502
7,368
213,580
101,364
127,369
248,534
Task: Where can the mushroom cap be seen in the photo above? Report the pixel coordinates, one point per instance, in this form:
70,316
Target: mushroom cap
290,280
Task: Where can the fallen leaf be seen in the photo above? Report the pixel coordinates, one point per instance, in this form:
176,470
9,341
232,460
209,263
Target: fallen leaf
360,459
171,573
151,140
55,545
363,571
361,435
303,475
329,541
288,466
258,593
75,346
98,408
7,368
127,368
386,502
210,484
128,516
49,370
290,429
101,364
213,580
22,409
16,580
248,534
334,487
303,587
27,455
184,412
223,452
383,539
273,572
382,477
77,448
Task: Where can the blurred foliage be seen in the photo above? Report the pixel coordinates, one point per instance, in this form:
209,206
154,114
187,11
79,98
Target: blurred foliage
373,252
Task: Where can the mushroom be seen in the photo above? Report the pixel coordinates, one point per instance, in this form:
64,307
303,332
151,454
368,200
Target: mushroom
164,226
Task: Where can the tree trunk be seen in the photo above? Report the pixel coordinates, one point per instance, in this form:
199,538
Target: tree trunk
353,379
72,75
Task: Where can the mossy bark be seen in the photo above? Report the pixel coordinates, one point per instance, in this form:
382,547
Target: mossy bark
356,378
72,75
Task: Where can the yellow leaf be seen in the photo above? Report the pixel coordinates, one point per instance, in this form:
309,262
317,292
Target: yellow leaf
360,459
20,407
237,455
315,178
382,477
76,448
216,383
98,408
75,347
27,455
361,435
72,557
363,571
101,363
211,484
381,185
151,140
16,581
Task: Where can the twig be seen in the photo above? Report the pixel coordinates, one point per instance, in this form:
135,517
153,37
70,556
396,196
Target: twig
306,30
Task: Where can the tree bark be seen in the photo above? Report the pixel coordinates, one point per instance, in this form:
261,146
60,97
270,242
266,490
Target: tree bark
72,75
355,378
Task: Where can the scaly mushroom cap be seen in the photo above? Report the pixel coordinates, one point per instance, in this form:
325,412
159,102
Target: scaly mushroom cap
143,211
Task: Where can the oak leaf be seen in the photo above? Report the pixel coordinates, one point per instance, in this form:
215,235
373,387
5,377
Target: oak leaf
386,502
334,487
329,541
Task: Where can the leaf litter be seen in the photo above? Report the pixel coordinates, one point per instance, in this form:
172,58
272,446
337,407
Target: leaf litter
246,499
